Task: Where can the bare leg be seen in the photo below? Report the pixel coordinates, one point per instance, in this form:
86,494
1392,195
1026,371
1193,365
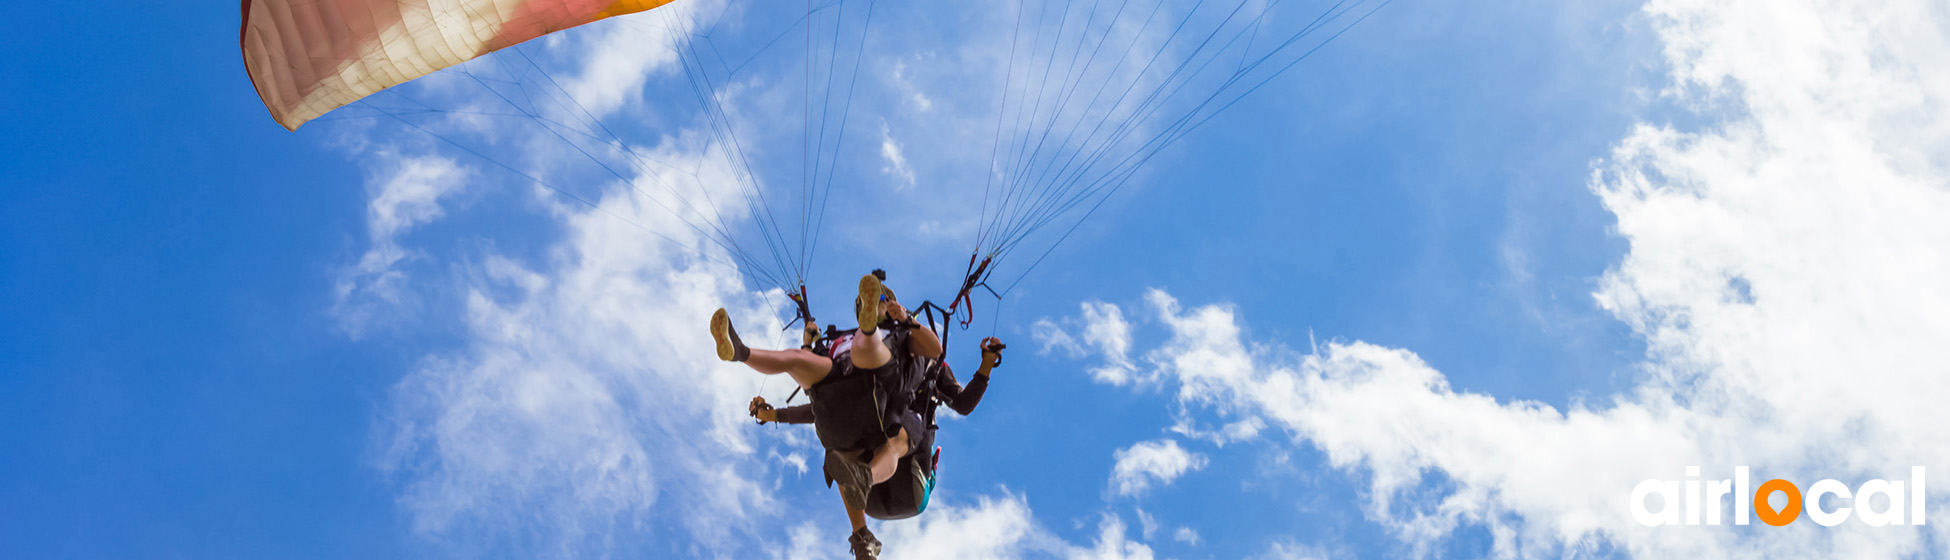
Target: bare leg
805,367
888,457
857,517
869,351
861,541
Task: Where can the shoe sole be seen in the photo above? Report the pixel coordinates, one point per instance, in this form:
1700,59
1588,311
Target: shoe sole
721,330
853,477
867,305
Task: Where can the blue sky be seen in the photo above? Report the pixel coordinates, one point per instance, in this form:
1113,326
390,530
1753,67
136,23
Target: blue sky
229,340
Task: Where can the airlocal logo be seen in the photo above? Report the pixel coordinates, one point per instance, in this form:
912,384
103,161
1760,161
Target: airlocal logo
1715,489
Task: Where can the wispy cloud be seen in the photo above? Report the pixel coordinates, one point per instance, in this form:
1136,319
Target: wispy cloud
1112,544
405,193
905,85
628,51
1100,329
1149,528
1288,550
1151,463
896,167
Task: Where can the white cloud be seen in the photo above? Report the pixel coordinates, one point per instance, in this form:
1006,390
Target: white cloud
999,528
795,460
890,150
1288,550
1151,463
1785,270
1187,425
406,192
993,528
808,542
1100,329
1148,525
1112,545
585,394
905,85
628,51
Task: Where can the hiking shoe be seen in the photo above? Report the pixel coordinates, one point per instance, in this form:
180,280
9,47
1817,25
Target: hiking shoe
865,547
854,478
730,349
868,304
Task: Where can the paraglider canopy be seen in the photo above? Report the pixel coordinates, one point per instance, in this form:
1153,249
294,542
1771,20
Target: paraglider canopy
308,57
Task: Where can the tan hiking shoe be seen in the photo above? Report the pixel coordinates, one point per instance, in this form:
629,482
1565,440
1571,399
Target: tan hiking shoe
864,546
730,349
867,305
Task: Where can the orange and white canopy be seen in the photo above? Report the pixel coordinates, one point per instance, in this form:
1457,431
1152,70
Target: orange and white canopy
308,57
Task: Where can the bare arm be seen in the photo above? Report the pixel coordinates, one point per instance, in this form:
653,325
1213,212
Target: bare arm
920,340
923,342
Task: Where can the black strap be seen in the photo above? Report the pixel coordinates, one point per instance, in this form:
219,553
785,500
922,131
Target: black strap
928,393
